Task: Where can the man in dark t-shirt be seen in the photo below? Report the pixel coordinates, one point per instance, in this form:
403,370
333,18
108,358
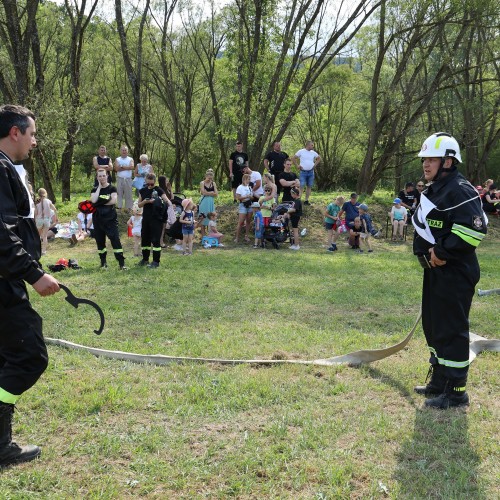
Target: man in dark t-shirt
275,163
237,162
408,198
104,197
350,209
153,201
288,180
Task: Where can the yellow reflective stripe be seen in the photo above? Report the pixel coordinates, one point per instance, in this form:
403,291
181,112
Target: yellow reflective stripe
102,251
459,389
156,249
7,397
438,142
118,251
453,364
468,235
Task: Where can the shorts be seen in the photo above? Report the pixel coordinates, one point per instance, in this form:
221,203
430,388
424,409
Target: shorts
259,234
43,222
295,221
136,233
330,225
188,230
307,178
244,210
237,178
364,235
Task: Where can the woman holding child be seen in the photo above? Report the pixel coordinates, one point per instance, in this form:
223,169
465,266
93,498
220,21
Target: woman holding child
244,195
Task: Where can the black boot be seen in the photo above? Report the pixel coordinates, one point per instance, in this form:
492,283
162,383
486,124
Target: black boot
454,396
437,381
10,452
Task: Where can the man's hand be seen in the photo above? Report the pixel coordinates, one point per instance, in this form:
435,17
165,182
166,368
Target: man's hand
435,261
46,285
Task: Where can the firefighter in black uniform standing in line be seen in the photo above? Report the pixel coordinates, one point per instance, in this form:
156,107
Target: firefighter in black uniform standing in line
105,220
449,224
23,355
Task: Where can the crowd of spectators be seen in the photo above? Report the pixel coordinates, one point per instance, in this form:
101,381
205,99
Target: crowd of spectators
153,215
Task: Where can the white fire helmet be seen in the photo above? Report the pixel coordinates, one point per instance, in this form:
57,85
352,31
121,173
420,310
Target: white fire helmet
440,145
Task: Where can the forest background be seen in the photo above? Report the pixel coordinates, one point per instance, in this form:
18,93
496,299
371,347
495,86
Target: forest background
181,81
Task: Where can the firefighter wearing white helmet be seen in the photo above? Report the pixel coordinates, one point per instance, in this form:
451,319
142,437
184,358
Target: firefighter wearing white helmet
449,225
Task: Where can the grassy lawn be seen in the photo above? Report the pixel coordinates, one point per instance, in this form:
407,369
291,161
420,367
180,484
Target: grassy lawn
112,429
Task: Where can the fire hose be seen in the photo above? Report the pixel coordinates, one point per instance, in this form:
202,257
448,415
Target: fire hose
477,344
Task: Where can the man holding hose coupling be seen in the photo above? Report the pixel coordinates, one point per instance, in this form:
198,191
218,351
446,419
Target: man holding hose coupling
449,224
23,355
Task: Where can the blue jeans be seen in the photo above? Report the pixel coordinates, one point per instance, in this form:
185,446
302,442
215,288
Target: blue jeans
307,178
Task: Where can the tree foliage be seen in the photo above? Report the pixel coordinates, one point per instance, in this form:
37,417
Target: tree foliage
366,80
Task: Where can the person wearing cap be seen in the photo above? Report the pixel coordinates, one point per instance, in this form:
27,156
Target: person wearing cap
449,225
408,198
399,217
258,222
367,219
351,210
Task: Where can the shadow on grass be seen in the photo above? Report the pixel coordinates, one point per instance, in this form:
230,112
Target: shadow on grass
437,461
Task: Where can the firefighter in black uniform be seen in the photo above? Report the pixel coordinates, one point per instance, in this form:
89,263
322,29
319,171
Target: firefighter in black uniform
23,355
105,220
449,224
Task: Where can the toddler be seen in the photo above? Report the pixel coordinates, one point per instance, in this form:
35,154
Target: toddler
188,224
135,223
212,227
258,224
332,222
43,217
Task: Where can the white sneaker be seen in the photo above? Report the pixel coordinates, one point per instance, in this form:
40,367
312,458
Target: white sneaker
178,248
303,232
221,245
295,247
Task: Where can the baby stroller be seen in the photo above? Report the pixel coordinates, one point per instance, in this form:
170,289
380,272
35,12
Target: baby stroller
278,230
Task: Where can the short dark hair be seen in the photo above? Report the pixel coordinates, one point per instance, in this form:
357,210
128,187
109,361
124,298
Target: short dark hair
12,115
239,142
409,184
151,176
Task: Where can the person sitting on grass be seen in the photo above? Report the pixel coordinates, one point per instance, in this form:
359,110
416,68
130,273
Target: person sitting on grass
399,216
258,224
213,232
359,233
332,222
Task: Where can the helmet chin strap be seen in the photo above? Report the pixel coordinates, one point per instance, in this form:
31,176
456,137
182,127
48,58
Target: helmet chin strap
443,170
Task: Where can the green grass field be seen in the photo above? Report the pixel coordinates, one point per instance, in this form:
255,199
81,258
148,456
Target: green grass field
113,429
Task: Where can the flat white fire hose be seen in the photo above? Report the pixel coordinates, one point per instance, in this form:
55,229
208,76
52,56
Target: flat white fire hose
477,345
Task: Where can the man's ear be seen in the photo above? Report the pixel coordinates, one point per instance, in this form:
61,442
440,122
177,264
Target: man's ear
14,133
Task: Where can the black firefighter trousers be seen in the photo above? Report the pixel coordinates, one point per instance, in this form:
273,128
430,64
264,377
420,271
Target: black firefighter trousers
446,302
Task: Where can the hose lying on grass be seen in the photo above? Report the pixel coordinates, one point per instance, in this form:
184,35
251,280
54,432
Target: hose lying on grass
477,345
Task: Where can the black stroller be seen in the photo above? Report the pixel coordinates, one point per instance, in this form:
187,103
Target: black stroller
278,230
